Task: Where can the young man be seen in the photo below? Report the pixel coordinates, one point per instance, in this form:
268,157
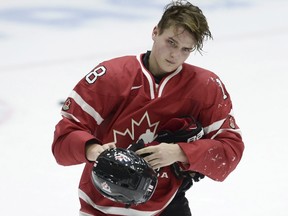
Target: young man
131,97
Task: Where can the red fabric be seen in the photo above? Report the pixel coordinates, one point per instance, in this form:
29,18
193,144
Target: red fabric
129,106
176,124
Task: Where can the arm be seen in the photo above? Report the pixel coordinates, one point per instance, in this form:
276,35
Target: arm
218,154
215,156
76,146
69,145
83,112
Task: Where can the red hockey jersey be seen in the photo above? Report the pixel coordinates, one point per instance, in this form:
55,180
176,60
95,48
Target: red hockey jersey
119,101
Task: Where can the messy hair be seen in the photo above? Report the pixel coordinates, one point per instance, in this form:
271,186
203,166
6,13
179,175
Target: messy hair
183,14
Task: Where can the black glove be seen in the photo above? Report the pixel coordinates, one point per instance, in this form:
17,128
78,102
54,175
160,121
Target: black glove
136,146
184,129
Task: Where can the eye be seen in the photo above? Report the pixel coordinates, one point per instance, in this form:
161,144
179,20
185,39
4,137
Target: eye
187,50
171,43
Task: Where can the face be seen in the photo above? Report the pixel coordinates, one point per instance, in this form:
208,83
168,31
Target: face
170,50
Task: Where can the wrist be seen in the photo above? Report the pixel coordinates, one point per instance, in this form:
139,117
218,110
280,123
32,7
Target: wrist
91,150
182,156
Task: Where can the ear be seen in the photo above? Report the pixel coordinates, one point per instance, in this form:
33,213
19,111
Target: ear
154,32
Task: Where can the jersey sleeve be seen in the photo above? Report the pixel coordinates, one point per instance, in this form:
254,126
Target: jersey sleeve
219,152
91,101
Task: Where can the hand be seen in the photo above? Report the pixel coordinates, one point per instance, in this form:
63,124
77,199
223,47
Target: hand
94,150
163,154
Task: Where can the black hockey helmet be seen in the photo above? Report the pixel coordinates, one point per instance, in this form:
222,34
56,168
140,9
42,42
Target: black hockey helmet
123,176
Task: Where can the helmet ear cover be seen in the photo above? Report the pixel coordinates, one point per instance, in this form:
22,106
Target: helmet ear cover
123,176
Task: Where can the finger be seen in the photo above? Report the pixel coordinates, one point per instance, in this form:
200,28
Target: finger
102,149
150,158
105,147
139,152
155,165
108,146
111,145
97,154
146,150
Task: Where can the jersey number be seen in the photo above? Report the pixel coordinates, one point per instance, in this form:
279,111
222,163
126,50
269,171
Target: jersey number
93,75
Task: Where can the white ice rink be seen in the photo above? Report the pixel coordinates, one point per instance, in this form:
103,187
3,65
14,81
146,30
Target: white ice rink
47,46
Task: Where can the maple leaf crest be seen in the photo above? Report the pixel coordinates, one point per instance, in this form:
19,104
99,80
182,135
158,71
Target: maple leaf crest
142,129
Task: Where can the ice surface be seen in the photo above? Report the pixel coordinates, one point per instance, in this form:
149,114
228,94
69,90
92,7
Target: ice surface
47,46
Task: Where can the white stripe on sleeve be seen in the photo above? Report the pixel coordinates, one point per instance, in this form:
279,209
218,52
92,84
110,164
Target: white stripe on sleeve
86,107
217,125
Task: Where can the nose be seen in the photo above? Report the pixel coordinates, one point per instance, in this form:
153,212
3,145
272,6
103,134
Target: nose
175,53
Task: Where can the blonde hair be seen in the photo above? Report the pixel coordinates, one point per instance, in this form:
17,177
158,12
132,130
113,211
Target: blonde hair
183,14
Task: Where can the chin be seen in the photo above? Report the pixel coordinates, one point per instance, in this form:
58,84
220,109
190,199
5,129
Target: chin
170,69
165,69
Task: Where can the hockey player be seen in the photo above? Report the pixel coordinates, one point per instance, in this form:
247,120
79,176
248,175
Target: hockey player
129,98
